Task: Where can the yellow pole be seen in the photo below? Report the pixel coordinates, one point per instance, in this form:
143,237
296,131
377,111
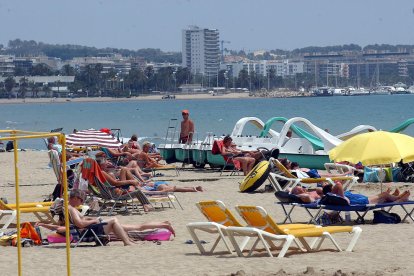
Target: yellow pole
65,196
16,177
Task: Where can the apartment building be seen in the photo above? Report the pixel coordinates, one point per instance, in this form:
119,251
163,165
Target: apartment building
201,50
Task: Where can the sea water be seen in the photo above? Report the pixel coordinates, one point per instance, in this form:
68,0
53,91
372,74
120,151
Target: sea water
150,119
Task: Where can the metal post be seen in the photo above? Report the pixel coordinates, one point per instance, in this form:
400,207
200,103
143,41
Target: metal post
65,196
16,177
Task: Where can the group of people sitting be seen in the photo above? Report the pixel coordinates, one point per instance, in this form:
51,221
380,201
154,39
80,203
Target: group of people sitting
129,174
147,156
99,226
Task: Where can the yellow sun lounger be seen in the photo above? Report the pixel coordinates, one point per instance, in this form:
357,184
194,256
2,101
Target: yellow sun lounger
290,181
39,209
219,219
264,228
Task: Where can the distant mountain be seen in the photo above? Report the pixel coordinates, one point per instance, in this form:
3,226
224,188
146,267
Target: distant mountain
66,52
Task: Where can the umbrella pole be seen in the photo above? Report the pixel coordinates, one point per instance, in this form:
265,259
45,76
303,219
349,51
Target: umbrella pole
381,172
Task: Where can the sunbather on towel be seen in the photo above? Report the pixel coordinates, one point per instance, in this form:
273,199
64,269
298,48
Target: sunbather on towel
356,199
161,186
111,226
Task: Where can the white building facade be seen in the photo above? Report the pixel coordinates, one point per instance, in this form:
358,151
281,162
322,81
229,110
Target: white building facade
201,50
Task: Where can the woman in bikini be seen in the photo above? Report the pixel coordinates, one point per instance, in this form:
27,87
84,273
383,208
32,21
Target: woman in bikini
247,159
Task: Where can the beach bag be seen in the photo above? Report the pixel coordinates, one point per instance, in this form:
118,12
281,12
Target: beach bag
373,175
382,216
329,218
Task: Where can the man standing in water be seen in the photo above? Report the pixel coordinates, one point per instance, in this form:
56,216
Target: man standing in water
187,128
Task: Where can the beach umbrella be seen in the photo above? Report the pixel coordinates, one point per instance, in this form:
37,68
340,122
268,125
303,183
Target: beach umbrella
375,148
92,138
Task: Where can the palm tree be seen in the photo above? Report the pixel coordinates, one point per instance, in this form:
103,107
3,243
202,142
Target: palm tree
9,84
47,90
68,70
23,84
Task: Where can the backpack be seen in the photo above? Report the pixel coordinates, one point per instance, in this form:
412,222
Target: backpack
382,216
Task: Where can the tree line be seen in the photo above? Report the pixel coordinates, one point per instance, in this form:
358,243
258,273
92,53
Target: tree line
20,47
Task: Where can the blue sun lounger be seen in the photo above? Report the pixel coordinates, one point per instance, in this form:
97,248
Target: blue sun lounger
336,203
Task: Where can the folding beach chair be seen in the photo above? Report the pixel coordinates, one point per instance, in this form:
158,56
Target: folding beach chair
284,179
229,161
265,229
79,236
100,187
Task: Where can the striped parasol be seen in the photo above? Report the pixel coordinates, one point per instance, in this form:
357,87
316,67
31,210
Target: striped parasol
91,138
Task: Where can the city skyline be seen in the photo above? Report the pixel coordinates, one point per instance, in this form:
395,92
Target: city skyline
248,25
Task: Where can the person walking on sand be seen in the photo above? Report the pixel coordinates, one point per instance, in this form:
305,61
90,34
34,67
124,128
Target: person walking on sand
187,128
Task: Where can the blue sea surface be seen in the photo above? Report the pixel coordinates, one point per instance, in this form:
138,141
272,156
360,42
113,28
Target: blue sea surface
150,119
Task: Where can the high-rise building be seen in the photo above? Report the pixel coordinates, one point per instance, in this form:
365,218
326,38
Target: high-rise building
201,50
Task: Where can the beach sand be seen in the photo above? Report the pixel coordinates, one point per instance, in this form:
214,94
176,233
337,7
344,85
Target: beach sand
381,250
180,96
201,96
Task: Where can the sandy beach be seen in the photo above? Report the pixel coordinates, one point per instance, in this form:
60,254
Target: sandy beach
183,96
381,250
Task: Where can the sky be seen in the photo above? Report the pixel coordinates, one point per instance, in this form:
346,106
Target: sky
248,25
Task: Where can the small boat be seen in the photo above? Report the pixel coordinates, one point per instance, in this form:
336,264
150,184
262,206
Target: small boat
357,92
322,92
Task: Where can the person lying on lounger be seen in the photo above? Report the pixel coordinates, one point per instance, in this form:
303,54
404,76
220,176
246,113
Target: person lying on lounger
307,196
132,166
355,199
127,178
110,226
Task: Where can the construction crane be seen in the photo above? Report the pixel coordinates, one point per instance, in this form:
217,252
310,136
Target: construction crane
222,48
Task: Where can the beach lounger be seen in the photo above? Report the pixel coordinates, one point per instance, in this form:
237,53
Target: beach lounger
39,209
339,204
265,229
343,169
218,219
284,179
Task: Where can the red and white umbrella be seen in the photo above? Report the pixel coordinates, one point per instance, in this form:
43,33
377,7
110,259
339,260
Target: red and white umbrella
91,138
